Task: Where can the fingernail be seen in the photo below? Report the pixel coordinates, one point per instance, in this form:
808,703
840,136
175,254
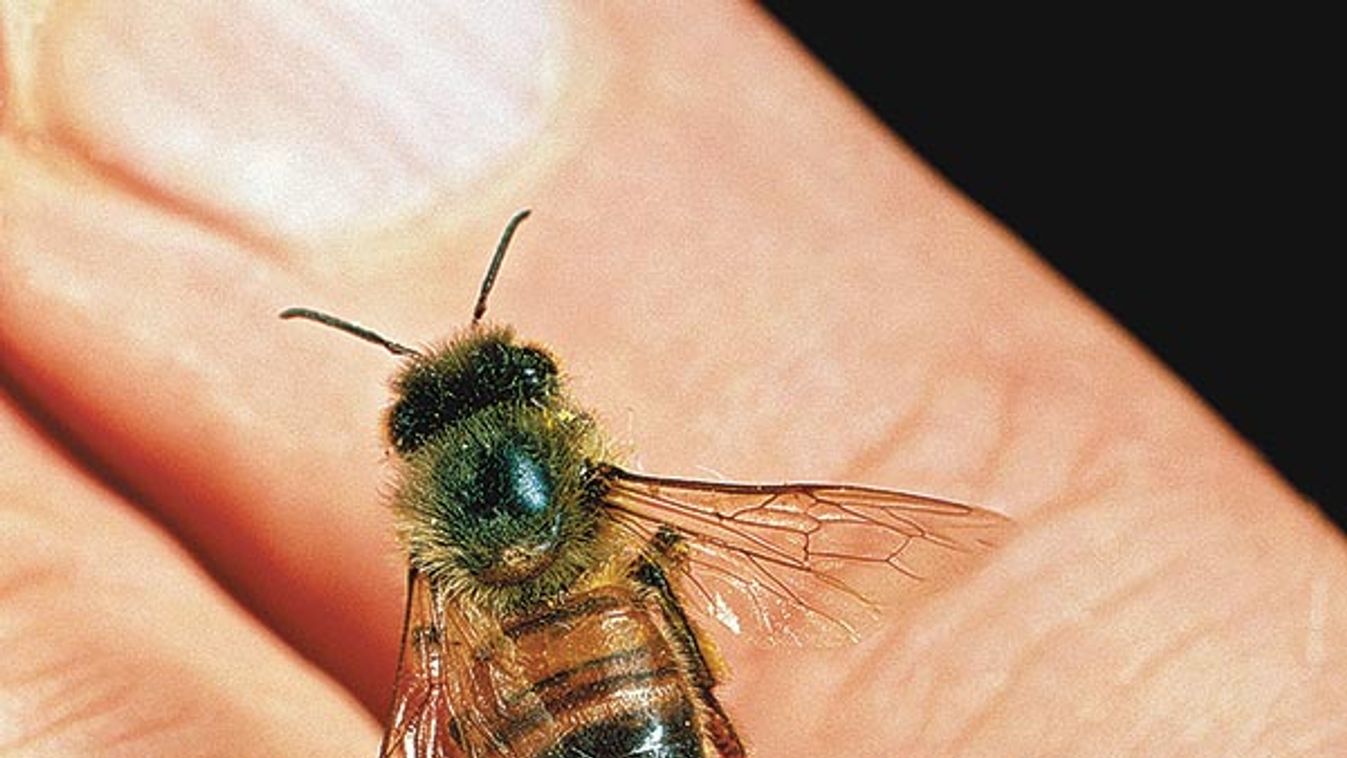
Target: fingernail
298,120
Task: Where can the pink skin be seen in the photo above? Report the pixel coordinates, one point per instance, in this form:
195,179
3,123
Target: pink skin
743,273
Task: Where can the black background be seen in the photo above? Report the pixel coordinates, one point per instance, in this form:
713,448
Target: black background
1167,166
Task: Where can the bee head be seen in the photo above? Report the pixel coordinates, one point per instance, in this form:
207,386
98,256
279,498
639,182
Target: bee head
497,496
480,370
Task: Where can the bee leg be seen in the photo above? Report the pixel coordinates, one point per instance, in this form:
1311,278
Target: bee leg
650,575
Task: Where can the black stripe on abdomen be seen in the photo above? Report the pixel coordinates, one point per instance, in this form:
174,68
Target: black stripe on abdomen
664,733
560,615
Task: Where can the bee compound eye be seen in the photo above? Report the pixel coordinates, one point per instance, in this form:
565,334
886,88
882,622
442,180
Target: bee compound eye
526,374
416,417
537,369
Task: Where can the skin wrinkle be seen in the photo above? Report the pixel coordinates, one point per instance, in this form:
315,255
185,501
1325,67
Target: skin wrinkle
342,67
1133,591
1035,653
64,445
881,658
1281,724
1184,640
912,658
64,144
124,716
116,178
1152,734
86,691
1316,613
1093,476
102,698
1103,468
19,578
131,460
1014,390
134,736
1192,639
84,698
871,458
1010,396
450,121
1022,391
61,144
38,669
972,621
978,716
1332,731
1136,683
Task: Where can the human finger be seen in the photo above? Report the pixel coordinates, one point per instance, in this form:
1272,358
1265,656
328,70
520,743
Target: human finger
116,643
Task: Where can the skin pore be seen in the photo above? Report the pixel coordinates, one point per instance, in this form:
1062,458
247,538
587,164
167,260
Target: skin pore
740,271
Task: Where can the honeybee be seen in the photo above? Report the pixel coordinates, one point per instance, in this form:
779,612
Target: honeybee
555,601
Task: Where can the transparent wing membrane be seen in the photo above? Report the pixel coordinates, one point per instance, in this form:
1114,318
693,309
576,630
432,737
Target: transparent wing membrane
801,563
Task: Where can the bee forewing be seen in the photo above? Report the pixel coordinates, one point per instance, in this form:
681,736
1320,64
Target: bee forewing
449,687
802,564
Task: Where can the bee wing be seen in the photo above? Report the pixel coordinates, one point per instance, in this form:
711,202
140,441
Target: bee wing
800,564
450,685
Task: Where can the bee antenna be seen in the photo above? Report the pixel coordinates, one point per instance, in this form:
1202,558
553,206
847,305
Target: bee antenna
349,328
490,279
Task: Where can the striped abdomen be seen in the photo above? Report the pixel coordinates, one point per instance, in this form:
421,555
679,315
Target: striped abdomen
604,679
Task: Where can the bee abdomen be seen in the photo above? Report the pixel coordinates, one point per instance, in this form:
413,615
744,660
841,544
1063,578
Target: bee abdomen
668,734
603,671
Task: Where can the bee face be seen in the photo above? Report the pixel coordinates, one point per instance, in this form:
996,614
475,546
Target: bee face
482,369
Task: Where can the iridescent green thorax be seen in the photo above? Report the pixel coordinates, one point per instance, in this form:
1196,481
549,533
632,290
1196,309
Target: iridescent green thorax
497,501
